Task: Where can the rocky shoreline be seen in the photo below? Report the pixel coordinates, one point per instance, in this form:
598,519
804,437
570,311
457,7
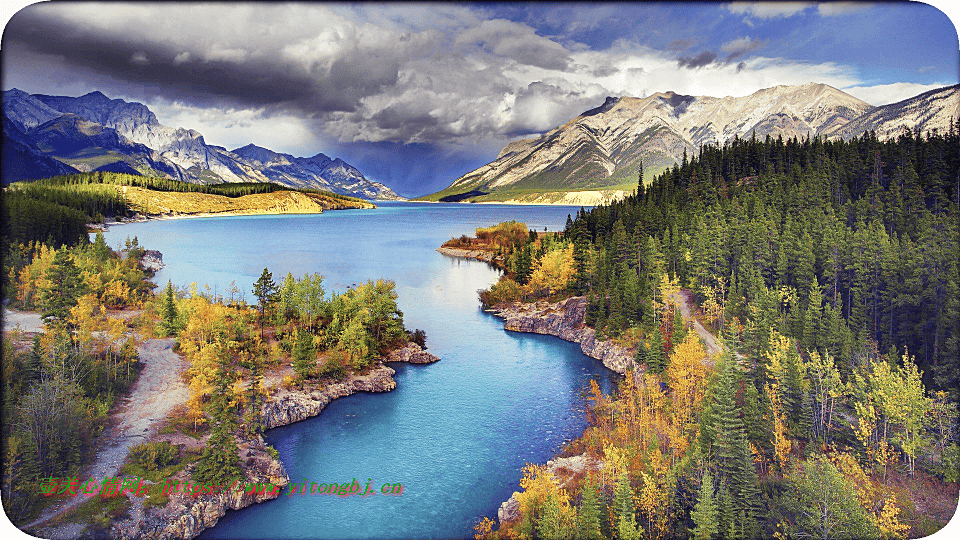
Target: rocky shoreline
562,469
475,254
187,516
565,320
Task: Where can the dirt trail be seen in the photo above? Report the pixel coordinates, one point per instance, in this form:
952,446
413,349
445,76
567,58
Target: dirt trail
685,298
158,389
29,322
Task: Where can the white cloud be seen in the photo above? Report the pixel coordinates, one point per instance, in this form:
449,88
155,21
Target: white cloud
434,73
233,128
140,58
768,10
516,41
224,54
833,9
741,46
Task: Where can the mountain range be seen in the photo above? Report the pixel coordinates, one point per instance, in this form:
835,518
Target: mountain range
48,135
596,156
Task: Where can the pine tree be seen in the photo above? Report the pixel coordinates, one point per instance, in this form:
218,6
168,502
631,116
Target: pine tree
65,289
705,514
657,357
265,289
304,355
588,522
551,523
640,180
220,461
168,311
624,510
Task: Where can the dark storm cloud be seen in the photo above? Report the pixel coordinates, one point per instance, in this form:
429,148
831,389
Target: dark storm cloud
679,45
692,62
605,71
217,77
518,42
741,46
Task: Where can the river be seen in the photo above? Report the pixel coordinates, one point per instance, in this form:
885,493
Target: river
455,433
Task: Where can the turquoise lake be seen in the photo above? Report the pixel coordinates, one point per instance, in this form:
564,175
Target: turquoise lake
455,433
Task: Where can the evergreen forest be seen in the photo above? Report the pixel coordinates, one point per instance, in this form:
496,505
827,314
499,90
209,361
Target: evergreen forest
827,270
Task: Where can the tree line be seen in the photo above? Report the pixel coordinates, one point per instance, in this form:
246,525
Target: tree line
828,270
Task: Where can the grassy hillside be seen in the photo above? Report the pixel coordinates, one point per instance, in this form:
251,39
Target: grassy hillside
152,202
56,210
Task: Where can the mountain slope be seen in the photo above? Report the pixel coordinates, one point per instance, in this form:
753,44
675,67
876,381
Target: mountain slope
933,110
22,160
318,171
26,111
601,149
177,153
86,145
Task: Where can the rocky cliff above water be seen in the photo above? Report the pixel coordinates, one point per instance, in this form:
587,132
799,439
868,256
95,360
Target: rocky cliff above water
186,517
565,319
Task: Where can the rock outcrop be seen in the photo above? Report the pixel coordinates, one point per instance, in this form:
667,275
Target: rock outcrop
412,354
562,469
476,254
565,319
152,260
187,516
289,406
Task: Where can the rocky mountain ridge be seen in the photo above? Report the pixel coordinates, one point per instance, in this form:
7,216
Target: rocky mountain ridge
601,149
147,147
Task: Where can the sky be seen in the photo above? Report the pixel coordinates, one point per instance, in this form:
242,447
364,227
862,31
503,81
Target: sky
416,95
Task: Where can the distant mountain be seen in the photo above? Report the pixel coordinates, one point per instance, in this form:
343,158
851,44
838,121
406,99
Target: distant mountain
330,174
130,133
87,146
22,160
933,110
597,154
26,111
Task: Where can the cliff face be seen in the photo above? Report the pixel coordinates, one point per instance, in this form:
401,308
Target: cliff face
187,516
565,320
286,407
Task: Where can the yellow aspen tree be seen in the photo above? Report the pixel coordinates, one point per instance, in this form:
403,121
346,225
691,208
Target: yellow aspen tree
827,387
781,440
686,375
887,519
553,271
538,486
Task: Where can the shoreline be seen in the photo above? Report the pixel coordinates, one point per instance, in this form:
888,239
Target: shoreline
473,254
188,516
565,320
141,218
